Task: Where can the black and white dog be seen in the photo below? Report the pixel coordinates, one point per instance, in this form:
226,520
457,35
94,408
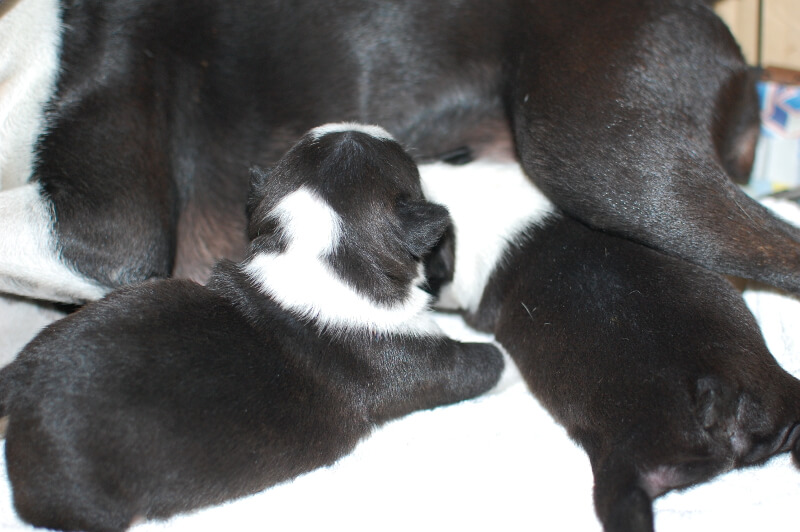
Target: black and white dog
654,365
169,396
134,124
127,125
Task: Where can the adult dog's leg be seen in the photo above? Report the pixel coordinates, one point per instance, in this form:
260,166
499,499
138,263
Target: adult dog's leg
95,206
634,118
29,256
123,230
95,219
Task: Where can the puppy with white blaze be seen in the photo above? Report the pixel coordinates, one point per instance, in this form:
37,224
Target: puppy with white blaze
170,396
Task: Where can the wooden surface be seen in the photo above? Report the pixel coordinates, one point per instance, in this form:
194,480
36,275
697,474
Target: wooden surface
780,30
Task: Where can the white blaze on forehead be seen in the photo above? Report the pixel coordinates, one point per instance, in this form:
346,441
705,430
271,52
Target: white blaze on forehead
302,281
30,36
309,223
341,127
490,205
29,260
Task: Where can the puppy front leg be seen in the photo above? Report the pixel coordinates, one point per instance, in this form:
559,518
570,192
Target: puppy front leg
430,372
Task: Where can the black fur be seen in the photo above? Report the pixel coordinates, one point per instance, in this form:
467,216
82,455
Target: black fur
169,396
620,111
654,365
631,115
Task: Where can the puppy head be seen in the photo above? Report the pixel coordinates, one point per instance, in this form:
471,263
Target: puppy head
349,195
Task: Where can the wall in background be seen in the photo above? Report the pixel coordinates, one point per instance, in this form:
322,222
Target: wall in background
780,30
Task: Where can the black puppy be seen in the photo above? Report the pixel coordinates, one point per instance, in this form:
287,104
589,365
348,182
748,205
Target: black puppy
654,365
146,113
170,396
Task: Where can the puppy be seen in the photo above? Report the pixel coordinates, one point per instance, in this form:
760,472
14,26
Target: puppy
144,115
653,365
169,396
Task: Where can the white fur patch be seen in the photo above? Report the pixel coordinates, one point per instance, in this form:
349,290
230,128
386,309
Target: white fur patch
30,37
490,203
302,282
340,127
29,261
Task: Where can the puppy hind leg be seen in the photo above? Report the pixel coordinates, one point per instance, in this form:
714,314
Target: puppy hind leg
621,503
631,511
57,517
52,488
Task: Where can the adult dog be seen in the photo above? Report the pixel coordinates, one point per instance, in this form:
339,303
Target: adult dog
134,123
129,126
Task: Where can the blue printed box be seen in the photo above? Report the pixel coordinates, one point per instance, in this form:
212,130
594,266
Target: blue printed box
777,163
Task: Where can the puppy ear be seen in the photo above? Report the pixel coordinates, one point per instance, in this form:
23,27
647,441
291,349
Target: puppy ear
267,187
440,263
423,223
259,178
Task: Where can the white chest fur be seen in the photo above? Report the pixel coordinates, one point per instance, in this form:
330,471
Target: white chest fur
302,282
30,38
490,204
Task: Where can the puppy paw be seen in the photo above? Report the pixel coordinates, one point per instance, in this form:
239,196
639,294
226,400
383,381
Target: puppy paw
485,360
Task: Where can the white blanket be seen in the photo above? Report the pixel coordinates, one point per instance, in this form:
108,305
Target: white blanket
495,463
